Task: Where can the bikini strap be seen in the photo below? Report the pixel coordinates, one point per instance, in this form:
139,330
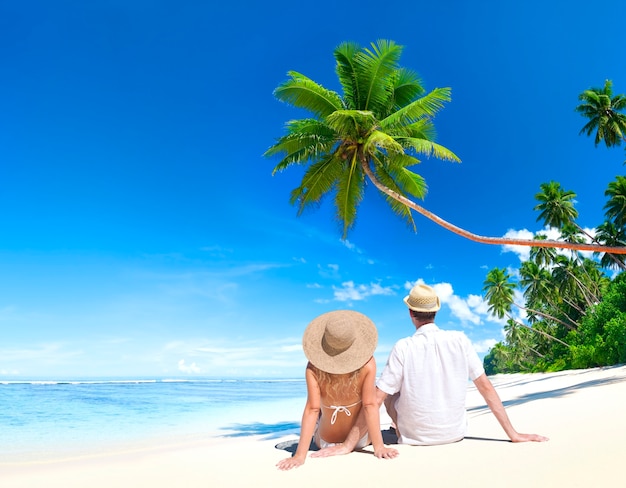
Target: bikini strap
340,408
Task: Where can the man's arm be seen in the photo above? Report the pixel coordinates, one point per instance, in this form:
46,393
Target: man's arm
489,393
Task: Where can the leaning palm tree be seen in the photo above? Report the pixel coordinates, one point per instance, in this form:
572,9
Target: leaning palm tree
378,128
557,210
540,294
499,292
603,109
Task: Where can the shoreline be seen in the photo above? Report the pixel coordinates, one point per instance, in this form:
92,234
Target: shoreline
579,410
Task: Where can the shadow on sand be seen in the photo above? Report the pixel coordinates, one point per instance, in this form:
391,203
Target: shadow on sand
280,429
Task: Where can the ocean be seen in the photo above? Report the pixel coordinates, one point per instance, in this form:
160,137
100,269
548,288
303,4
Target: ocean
41,420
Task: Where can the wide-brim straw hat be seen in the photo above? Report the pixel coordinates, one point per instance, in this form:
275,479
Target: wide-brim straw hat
422,298
340,342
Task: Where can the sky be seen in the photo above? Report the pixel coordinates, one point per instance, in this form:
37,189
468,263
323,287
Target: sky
142,230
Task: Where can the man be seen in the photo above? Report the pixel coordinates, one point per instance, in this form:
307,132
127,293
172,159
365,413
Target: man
424,383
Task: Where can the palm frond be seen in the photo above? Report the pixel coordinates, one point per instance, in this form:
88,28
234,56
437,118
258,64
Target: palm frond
374,70
400,209
410,183
346,72
350,188
420,129
379,140
589,127
407,86
306,139
427,106
428,148
318,180
351,124
618,102
302,92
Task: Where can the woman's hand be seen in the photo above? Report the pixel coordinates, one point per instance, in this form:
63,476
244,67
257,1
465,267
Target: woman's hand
386,452
289,463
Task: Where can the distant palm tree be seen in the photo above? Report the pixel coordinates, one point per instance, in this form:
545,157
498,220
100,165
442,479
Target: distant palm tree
376,129
616,206
540,293
555,205
543,256
611,235
557,210
567,276
499,292
521,341
603,109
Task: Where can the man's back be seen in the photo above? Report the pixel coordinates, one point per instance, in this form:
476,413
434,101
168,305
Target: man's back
431,370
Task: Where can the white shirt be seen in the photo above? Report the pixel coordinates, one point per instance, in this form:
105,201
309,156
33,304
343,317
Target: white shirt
430,369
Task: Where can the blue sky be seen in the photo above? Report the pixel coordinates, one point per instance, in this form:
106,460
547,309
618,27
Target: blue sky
143,233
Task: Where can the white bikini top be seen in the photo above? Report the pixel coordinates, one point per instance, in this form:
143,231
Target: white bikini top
340,408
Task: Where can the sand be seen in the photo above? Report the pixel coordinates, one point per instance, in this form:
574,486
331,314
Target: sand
581,411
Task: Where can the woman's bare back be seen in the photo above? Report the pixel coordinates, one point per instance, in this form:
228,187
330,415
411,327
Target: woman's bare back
340,405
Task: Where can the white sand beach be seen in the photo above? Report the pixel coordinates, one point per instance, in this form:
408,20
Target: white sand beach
581,411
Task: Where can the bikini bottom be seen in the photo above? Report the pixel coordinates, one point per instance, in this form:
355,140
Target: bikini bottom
321,443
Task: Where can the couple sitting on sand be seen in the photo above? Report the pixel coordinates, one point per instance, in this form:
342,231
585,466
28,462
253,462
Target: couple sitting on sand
423,385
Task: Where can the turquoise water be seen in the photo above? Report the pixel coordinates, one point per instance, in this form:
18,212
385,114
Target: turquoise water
43,419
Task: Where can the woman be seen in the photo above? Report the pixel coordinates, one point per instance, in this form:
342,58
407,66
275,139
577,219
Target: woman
340,379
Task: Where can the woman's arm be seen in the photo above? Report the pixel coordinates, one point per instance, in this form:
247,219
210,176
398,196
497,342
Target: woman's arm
309,419
371,407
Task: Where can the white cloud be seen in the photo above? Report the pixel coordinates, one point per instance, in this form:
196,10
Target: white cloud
330,271
12,372
484,345
551,233
348,244
351,292
523,252
460,309
185,368
478,304
467,310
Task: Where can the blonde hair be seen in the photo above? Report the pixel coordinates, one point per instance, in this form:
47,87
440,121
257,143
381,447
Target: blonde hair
332,384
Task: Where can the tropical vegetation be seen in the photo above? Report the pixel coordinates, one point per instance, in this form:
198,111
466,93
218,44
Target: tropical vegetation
604,111
562,309
378,128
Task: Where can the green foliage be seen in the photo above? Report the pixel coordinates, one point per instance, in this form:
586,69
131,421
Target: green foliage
381,122
604,113
575,315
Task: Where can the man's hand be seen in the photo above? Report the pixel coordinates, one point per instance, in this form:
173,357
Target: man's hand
528,438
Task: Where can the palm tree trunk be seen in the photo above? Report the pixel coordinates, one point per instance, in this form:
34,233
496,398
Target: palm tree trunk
554,305
593,239
502,241
538,331
574,306
545,316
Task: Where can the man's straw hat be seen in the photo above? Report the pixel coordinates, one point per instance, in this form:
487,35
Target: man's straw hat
340,342
422,298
